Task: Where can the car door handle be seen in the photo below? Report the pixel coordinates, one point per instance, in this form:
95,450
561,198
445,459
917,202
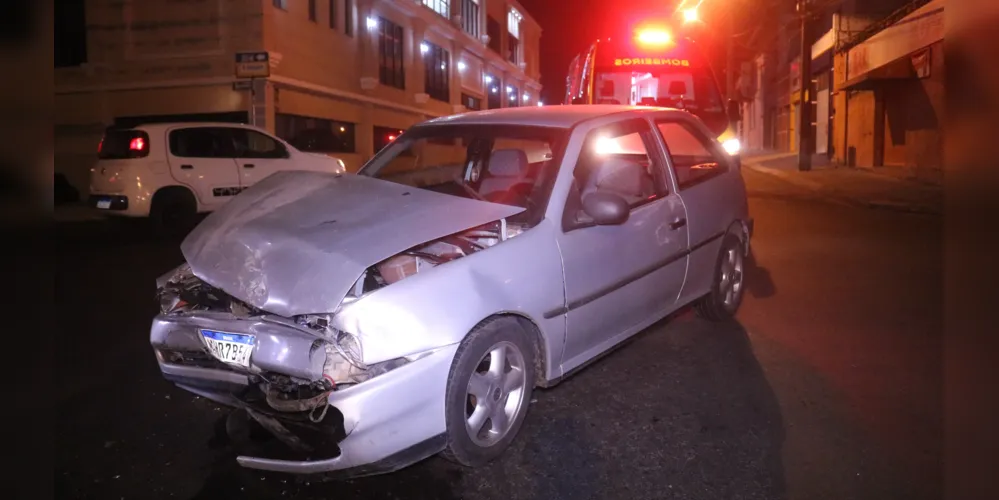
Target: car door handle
186,167
677,224
247,165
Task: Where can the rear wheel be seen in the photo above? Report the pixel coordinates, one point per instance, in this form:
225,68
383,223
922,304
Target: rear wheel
173,211
488,391
722,302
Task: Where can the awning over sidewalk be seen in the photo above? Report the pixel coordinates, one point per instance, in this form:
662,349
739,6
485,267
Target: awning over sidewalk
883,56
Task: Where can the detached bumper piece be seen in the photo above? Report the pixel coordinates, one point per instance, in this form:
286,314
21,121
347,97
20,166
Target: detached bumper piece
255,429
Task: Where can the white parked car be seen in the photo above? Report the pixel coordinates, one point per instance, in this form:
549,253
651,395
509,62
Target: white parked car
171,171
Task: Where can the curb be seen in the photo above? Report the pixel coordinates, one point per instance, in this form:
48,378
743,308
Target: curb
819,189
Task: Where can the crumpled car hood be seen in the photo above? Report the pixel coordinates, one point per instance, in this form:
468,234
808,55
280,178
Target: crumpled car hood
296,242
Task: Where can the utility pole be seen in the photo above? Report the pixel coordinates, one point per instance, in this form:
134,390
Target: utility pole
804,97
730,59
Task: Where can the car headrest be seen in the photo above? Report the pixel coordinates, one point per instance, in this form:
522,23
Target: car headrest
508,163
619,176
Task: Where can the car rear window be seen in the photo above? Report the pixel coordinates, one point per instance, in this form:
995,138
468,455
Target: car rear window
123,144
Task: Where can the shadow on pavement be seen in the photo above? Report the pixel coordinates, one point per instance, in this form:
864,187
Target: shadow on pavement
758,280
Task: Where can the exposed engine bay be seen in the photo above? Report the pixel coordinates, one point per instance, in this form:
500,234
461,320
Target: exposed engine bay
283,382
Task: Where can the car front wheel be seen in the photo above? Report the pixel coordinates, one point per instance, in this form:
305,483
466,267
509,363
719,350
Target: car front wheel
722,302
488,391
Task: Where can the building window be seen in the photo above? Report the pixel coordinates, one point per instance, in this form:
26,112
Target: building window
438,66
281,4
512,96
471,102
513,20
384,136
312,10
470,17
493,100
333,14
316,135
441,7
390,67
493,32
348,17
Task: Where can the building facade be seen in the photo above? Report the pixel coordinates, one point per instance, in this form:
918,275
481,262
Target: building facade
351,74
889,94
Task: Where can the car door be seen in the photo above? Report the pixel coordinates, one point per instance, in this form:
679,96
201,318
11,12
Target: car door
711,187
202,158
259,155
620,278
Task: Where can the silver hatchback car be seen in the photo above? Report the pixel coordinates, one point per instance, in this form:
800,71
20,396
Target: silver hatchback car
371,320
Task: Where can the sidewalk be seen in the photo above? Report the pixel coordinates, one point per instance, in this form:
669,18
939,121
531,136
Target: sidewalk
853,185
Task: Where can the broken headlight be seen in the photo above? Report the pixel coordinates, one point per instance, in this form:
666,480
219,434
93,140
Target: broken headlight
345,344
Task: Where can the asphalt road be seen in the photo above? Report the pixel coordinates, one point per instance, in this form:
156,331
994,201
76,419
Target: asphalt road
828,387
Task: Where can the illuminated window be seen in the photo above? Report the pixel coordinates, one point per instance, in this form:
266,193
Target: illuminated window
470,17
441,7
513,42
494,98
471,102
390,65
281,4
438,66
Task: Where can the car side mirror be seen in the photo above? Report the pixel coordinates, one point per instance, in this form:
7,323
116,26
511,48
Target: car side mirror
734,110
606,209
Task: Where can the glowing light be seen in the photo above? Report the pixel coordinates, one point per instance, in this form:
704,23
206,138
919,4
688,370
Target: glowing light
732,146
509,89
654,37
513,97
690,15
343,129
372,23
488,79
606,146
540,104
461,65
495,89
424,48
391,138
443,66
527,96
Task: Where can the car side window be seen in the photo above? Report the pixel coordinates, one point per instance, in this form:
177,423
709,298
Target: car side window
618,159
253,144
201,142
694,158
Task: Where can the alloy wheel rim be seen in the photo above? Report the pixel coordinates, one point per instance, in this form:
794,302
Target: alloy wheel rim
495,394
731,279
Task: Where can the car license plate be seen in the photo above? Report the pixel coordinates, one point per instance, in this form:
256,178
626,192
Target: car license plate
105,204
231,348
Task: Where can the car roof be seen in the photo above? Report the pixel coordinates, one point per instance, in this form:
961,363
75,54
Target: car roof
561,116
158,126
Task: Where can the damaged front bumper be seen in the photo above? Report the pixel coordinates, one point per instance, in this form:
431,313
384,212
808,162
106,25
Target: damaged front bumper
382,424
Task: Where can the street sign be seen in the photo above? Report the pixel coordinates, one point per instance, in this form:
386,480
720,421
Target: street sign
252,65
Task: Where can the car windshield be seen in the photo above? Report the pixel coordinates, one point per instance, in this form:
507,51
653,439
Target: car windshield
509,164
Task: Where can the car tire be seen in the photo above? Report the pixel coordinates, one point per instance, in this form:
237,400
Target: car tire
172,211
497,397
728,283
